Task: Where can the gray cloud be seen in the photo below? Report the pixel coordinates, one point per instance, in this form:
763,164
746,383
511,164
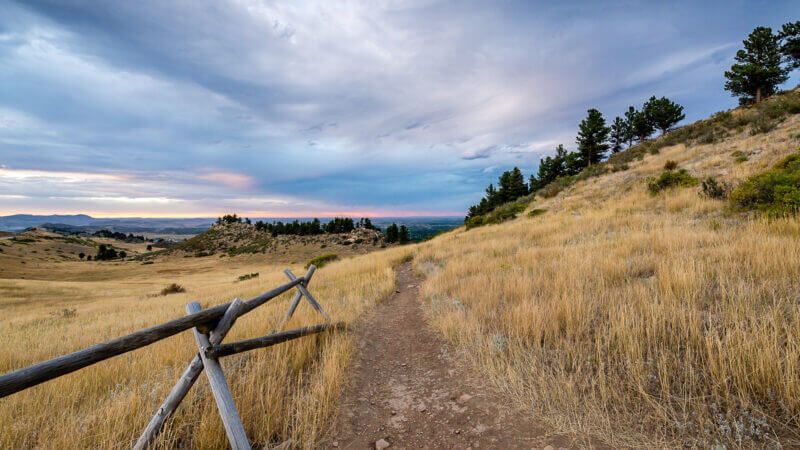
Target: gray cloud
348,105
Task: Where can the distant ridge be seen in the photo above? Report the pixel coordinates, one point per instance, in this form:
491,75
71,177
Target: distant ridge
83,222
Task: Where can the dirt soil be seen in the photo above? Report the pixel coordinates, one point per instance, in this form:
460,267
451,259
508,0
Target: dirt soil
411,389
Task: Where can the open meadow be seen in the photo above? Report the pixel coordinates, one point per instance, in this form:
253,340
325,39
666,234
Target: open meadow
284,392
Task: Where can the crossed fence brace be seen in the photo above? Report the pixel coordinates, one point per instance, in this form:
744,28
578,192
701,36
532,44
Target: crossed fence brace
210,349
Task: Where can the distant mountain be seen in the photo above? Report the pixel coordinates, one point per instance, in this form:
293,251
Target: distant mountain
19,222
82,222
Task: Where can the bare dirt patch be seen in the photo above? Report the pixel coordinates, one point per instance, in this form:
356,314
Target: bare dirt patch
411,389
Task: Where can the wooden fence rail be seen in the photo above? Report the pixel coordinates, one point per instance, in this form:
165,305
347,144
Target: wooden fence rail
209,327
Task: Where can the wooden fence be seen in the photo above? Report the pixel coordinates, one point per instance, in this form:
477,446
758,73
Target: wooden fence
210,327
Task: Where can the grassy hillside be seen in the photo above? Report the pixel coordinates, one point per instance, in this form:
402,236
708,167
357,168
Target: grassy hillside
667,319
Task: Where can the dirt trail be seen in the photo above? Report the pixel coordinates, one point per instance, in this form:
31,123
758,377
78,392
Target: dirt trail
410,388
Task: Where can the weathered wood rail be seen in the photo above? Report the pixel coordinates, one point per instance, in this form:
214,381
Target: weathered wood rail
209,327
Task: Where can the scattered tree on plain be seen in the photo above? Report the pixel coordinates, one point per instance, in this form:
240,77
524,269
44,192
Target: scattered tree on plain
105,253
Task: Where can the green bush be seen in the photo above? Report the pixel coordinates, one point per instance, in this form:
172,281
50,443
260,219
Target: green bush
775,192
536,212
321,260
670,179
670,165
500,214
248,276
714,189
473,222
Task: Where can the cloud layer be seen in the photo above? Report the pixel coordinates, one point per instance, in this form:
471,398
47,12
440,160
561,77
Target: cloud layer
306,108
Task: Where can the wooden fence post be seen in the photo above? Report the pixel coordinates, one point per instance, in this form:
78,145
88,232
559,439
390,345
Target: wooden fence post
219,387
296,299
308,295
185,382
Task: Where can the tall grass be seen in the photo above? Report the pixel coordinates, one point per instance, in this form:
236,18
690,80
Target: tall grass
284,392
646,320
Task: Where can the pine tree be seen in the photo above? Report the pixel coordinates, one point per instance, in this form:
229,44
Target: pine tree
392,233
592,137
550,168
642,125
619,134
663,113
402,235
790,47
758,71
630,130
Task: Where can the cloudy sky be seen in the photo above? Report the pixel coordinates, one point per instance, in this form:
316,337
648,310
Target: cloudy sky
193,108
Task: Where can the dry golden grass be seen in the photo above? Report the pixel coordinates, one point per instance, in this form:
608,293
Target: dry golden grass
284,392
644,320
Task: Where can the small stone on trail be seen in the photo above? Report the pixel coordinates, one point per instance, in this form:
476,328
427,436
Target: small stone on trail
394,412
458,431
381,444
335,443
421,407
549,447
464,398
397,291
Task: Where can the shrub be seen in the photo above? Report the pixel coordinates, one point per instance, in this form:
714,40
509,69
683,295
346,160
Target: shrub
536,212
173,289
715,189
763,124
320,261
65,313
248,276
473,222
147,262
670,179
553,188
105,253
670,165
500,214
775,192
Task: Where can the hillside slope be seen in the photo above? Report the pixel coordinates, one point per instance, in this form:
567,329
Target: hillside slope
648,320
244,239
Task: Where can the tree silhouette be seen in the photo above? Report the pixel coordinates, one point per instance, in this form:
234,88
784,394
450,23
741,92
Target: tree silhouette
619,134
757,72
790,47
592,138
663,113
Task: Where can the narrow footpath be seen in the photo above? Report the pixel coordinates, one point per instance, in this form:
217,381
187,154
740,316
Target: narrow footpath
408,388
